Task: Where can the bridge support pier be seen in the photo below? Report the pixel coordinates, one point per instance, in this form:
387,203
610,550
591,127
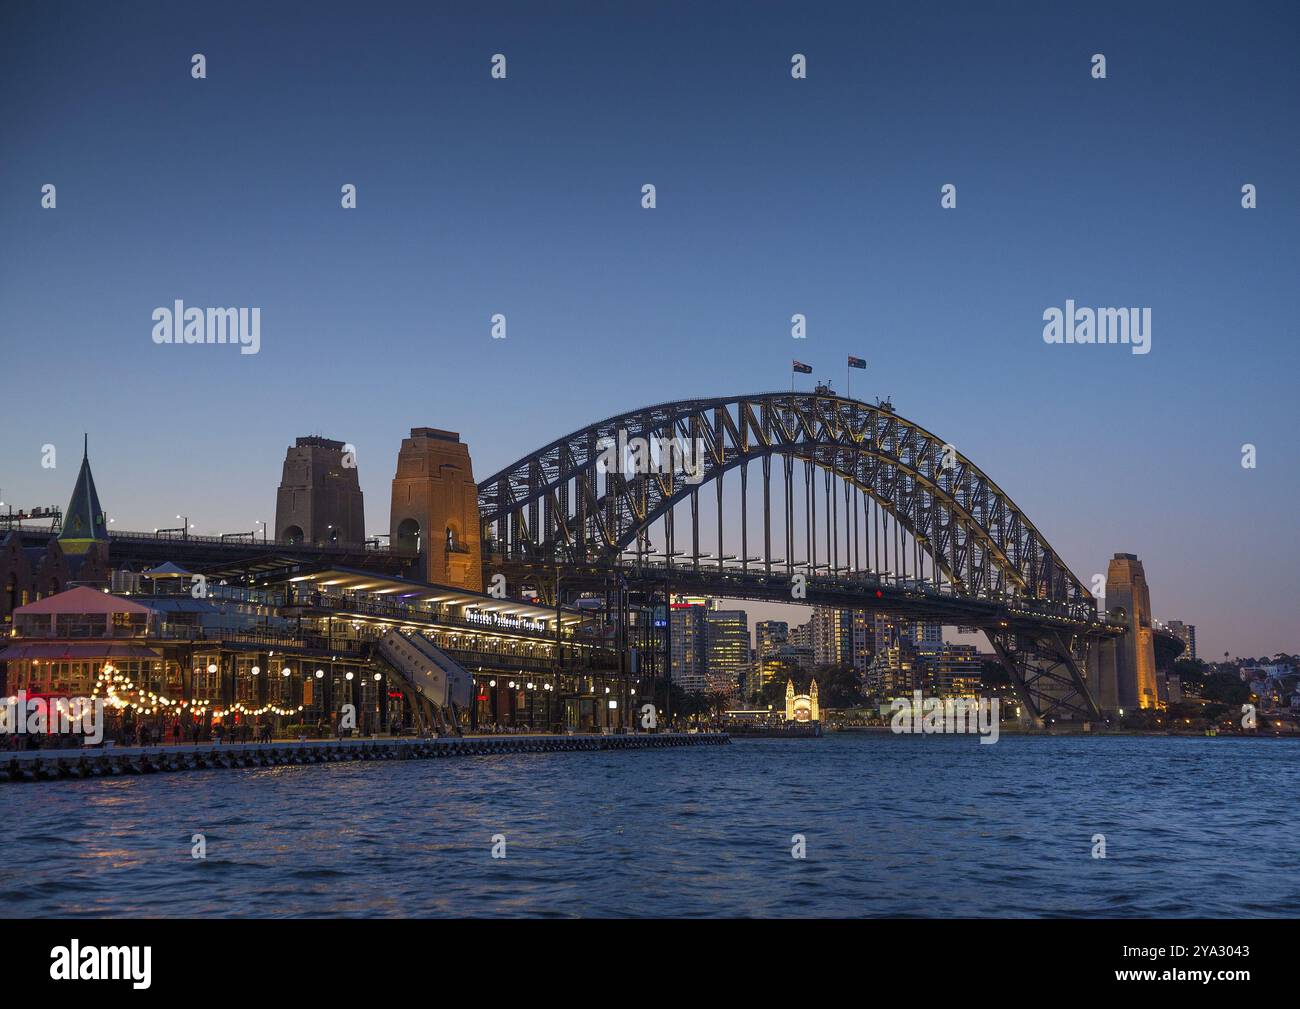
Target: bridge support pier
1047,673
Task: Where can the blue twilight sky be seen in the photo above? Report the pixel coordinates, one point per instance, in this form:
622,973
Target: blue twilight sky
775,196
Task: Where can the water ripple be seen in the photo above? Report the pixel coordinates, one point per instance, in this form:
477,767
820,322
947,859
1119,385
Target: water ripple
909,826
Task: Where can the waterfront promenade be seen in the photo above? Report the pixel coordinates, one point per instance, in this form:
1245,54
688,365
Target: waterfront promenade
108,761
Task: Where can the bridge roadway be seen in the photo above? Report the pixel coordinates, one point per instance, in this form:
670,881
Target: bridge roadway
107,761
921,600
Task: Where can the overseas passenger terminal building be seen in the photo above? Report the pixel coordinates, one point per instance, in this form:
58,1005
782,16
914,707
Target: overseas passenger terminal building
186,634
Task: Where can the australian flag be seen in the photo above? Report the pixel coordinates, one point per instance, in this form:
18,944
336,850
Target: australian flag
801,368
857,362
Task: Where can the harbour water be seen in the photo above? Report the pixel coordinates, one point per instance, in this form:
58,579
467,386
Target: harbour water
921,825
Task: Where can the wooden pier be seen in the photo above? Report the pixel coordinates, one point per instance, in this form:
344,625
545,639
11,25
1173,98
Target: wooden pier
107,761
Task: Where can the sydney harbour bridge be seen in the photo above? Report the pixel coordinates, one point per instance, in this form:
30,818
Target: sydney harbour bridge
789,497
797,497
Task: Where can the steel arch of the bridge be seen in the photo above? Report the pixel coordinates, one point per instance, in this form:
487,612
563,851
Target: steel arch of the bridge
559,503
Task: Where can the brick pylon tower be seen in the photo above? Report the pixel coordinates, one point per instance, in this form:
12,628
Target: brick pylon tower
319,500
435,508
1135,656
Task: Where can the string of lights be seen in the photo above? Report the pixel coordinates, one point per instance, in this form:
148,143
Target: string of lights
118,691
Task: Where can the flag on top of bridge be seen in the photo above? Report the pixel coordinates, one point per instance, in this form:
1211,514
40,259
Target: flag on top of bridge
801,368
857,362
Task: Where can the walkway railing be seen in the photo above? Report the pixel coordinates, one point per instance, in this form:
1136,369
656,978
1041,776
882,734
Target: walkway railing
230,540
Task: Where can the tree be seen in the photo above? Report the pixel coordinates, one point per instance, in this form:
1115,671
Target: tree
679,698
1184,710
1226,688
716,703
693,704
838,687
774,693
993,673
1191,671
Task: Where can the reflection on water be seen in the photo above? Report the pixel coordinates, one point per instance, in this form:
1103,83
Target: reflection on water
894,826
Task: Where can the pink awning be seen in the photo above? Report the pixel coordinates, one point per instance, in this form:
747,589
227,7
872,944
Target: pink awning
80,600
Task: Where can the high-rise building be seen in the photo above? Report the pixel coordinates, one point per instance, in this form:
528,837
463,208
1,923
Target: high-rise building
864,640
926,633
887,632
710,646
801,636
949,670
1187,633
770,636
785,664
689,649
893,672
832,636
726,641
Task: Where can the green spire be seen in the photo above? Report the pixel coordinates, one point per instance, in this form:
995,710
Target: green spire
83,523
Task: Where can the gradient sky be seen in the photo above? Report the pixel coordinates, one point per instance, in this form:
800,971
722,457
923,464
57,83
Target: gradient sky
776,196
